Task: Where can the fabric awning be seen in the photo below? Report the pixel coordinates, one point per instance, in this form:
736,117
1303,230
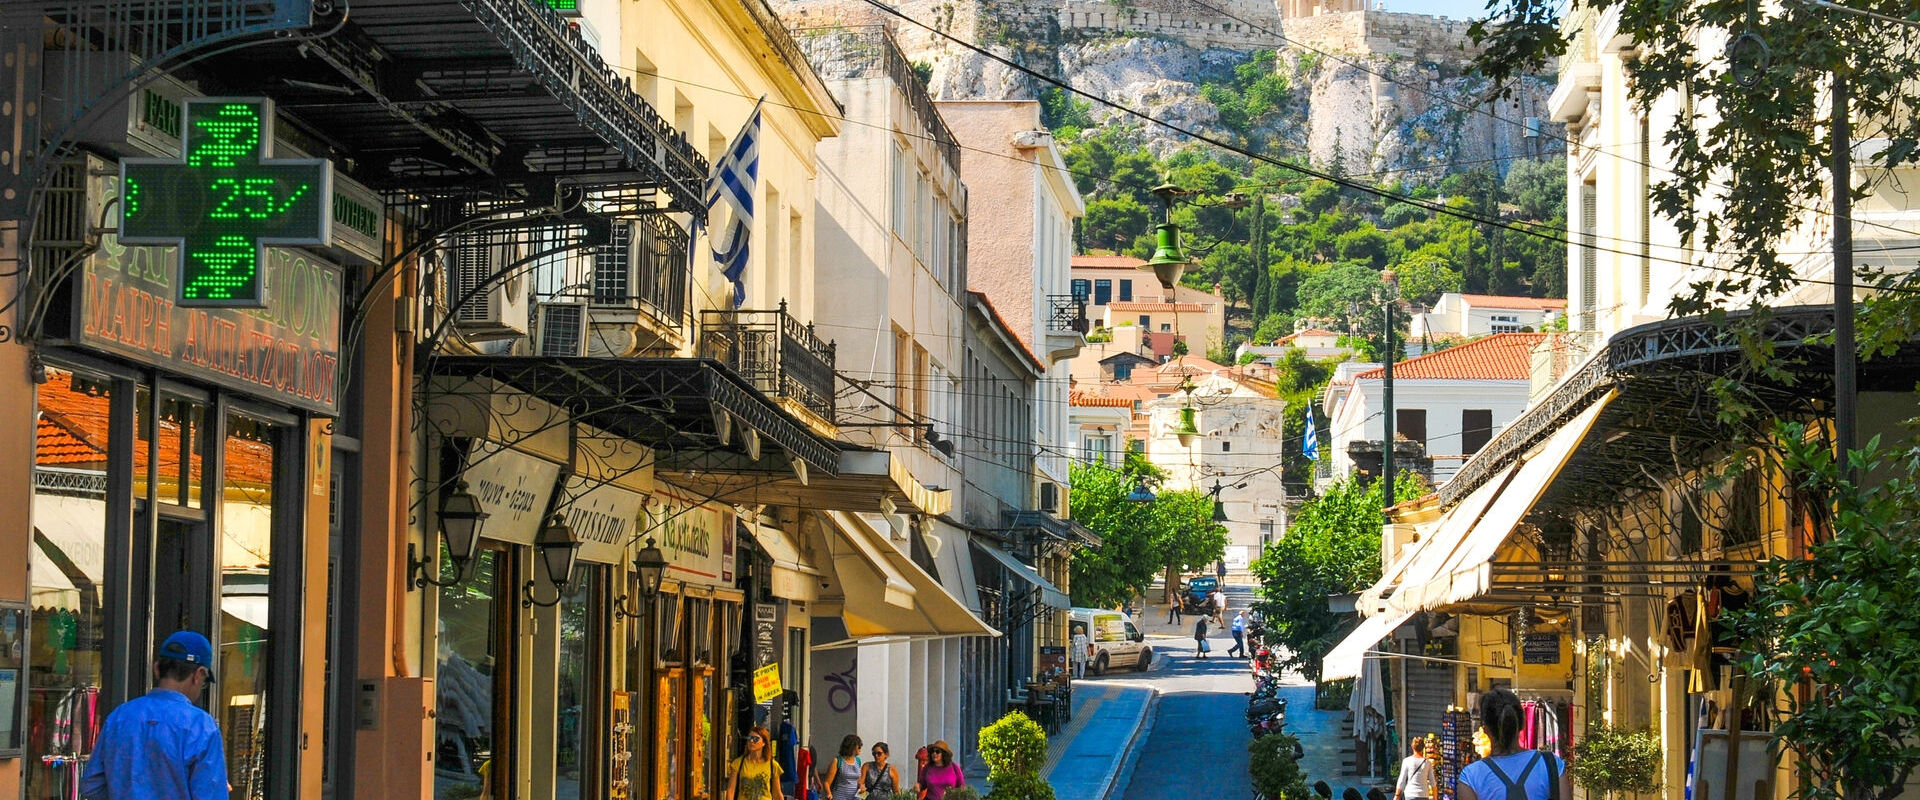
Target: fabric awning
1049,594
1344,661
793,576
1423,561
1465,574
885,594
948,543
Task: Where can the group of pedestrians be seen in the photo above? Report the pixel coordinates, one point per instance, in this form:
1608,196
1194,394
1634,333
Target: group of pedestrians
757,774
1202,646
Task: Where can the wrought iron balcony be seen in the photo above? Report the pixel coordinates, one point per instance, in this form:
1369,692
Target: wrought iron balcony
774,352
644,268
1067,313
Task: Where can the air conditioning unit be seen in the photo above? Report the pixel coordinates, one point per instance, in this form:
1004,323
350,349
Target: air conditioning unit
500,310
561,329
142,123
1050,497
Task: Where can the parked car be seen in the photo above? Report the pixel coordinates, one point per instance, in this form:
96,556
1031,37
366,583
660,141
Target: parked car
1117,642
1196,597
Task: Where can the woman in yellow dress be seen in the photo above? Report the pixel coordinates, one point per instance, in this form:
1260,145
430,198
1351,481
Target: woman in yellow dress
754,775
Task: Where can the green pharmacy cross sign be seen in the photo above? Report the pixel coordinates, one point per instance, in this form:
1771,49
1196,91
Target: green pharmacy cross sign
226,201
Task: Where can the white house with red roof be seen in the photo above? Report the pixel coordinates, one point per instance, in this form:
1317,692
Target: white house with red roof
1314,343
1457,314
1120,294
1450,402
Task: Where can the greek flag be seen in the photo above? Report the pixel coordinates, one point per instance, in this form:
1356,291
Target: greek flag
1310,443
731,185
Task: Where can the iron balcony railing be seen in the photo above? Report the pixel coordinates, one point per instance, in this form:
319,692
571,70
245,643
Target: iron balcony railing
775,352
864,51
645,268
1067,313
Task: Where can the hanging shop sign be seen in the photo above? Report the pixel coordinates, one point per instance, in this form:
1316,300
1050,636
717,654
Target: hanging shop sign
766,634
512,487
766,684
1540,648
605,517
694,537
226,201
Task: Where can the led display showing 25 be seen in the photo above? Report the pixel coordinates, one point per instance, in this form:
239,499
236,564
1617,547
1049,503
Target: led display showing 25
226,201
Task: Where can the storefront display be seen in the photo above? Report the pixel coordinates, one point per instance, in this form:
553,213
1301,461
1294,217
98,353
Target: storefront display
472,680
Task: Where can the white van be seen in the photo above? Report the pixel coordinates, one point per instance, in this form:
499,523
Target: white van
1117,642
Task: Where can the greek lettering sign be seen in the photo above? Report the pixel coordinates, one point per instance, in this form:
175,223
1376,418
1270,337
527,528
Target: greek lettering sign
1540,648
766,634
605,517
692,536
766,684
226,201
512,487
287,351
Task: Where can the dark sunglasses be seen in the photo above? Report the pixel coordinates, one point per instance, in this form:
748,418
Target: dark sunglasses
755,739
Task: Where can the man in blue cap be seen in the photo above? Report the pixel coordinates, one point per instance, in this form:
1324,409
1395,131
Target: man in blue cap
162,746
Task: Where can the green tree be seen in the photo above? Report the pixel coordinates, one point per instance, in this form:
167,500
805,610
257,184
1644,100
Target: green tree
1113,221
1272,327
1326,293
1332,547
1424,277
1137,540
1839,622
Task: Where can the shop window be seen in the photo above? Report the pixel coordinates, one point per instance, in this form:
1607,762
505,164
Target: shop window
183,433
247,517
474,680
66,665
577,746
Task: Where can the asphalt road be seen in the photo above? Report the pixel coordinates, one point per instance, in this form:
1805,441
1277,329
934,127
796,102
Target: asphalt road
1197,744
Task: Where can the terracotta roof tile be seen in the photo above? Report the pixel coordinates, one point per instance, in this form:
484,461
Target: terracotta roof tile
1105,262
1500,357
1513,301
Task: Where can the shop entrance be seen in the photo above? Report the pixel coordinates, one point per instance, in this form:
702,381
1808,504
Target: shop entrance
182,556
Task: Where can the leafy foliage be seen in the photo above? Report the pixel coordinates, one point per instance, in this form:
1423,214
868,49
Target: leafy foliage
1332,547
1276,775
1138,540
1836,628
1015,749
1608,759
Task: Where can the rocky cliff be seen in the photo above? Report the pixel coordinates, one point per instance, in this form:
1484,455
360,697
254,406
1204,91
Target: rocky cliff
1372,92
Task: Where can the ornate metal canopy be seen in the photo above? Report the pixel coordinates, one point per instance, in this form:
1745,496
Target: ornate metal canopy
676,405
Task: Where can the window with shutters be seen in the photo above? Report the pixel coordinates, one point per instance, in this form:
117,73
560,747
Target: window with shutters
1646,210
1476,429
1126,291
1102,292
1589,256
612,274
1411,423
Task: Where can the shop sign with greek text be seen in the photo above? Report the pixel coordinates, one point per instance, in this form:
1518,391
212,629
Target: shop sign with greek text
512,487
694,537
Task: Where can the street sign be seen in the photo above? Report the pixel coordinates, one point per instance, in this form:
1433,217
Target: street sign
226,201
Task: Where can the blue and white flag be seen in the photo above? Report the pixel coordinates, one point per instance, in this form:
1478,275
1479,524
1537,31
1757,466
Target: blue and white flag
732,185
1310,444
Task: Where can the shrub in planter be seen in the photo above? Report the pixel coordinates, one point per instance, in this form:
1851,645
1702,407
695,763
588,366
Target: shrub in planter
1610,759
1015,748
1276,775
955,793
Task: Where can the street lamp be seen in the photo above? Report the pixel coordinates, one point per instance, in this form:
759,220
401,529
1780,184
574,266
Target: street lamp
652,566
559,548
1168,261
1187,429
1140,493
460,520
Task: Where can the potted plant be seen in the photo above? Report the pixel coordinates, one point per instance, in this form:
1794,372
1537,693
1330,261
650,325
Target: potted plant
1610,759
1015,749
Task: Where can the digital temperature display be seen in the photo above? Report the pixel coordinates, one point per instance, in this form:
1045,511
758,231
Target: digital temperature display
226,201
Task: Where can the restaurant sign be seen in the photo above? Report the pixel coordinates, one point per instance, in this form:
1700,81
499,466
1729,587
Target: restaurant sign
287,351
695,537
512,487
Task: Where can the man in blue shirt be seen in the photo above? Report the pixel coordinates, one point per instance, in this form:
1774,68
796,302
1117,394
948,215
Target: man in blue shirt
162,746
1239,636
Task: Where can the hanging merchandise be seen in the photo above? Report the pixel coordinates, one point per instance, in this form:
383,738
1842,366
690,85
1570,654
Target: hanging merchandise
1456,748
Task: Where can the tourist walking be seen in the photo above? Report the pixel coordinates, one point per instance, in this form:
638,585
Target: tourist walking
941,773
1510,772
1082,650
1173,607
878,778
754,774
161,745
1219,599
841,777
1239,648
1416,775
1200,645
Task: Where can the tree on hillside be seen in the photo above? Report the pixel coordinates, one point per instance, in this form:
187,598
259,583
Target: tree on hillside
1332,547
1138,541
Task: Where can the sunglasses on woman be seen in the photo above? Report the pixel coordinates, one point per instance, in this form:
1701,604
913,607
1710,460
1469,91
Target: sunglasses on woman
755,739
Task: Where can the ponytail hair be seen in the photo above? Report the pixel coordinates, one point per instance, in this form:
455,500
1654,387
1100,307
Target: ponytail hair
1500,716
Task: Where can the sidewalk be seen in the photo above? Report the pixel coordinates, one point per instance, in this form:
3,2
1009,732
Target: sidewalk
1086,759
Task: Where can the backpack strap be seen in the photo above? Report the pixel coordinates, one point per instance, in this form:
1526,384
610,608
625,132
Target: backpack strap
1516,790
1553,777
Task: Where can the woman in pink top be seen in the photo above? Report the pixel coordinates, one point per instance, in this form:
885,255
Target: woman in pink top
941,773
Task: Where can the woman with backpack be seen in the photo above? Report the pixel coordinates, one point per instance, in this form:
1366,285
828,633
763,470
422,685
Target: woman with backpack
842,777
1510,772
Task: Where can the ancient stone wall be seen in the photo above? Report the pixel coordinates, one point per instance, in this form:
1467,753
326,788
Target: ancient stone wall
1380,33
1248,24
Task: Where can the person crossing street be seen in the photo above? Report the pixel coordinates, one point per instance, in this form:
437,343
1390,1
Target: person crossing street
1239,648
